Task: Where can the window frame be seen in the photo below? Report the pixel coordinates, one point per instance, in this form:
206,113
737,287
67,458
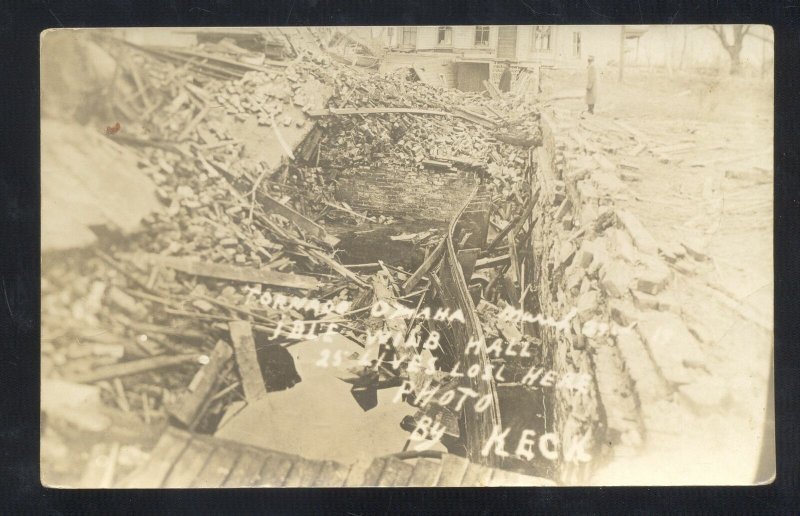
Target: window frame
535,38
444,30
408,29
482,35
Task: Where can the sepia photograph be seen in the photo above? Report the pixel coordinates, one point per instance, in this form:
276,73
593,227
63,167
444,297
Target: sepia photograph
407,256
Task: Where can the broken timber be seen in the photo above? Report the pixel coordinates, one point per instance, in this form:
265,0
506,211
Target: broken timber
131,367
459,112
234,272
454,293
245,347
201,389
183,459
423,269
306,224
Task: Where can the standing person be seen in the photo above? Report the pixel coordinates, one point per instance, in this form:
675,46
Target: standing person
591,85
505,78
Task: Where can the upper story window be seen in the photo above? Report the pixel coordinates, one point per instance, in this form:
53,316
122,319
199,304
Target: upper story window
445,36
576,44
409,36
481,35
540,38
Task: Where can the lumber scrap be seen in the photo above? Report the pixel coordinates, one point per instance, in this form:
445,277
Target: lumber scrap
163,457
202,386
490,262
234,272
459,112
218,59
131,367
474,117
453,292
423,269
246,360
336,266
273,205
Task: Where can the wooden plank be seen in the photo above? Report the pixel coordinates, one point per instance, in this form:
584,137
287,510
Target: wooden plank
250,371
453,470
189,465
234,272
336,266
131,367
357,473
474,117
275,470
425,474
272,205
513,269
477,476
218,467
333,474
423,269
202,386
217,58
458,111
167,451
303,473
374,471
396,473
486,263
247,470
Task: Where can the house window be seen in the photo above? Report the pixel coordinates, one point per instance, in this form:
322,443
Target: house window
541,38
445,36
576,44
409,36
481,35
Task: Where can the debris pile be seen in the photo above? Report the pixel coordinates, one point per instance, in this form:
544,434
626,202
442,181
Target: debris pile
196,311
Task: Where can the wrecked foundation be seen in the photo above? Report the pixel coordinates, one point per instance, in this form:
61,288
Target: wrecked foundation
298,196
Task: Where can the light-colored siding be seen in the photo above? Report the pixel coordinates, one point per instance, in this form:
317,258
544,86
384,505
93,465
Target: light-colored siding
507,42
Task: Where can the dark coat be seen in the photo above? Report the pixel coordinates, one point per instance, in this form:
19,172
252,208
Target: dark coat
591,85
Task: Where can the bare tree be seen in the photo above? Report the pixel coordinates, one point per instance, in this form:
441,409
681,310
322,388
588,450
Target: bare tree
733,45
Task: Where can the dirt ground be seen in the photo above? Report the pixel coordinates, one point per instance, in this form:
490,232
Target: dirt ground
709,128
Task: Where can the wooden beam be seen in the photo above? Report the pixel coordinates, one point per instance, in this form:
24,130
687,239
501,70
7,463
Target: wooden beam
273,205
247,361
131,367
234,272
424,268
201,389
486,263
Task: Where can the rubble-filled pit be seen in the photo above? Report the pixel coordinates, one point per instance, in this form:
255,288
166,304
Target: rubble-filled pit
455,183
